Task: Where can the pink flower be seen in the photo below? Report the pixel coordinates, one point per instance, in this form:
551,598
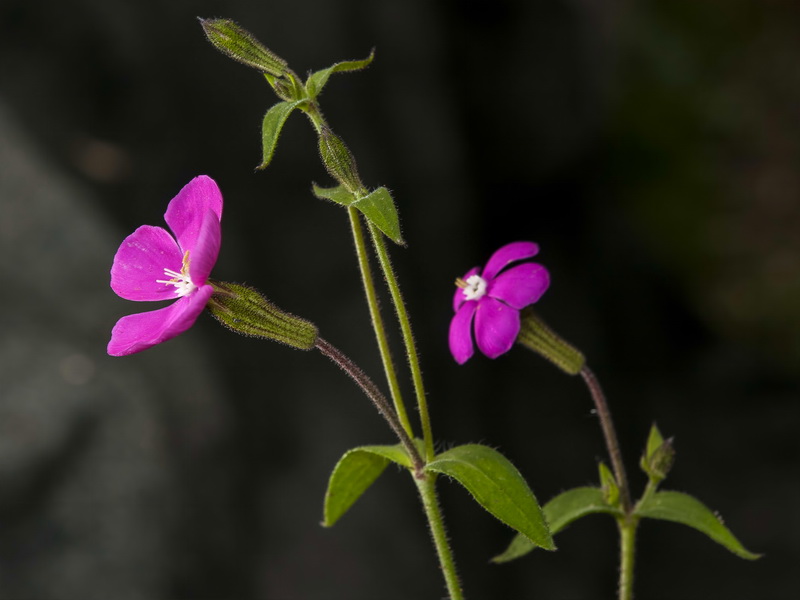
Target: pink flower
151,264
493,300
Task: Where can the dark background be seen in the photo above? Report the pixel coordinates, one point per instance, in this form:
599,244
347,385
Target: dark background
650,148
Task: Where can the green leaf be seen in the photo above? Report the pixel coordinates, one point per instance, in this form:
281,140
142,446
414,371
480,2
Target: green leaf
316,81
354,473
378,207
271,128
498,487
559,512
683,508
338,194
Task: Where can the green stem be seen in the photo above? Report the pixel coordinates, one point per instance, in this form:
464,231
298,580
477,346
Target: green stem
627,536
426,484
377,320
408,337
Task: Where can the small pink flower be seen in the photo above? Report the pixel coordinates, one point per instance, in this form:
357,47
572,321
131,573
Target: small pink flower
151,264
493,300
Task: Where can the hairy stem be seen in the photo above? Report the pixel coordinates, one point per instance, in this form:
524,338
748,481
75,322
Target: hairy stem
430,502
408,337
612,443
374,394
377,320
627,555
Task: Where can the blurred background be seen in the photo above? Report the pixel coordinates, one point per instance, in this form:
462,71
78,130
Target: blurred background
650,148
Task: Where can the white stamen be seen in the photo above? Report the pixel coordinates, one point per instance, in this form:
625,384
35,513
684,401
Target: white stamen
182,282
475,288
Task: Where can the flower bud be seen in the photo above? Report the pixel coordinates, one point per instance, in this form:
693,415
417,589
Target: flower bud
339,161
537,336
241,45
608,484
658,457
246,311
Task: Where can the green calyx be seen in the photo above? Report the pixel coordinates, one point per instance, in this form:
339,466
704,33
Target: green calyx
535,335
244,310
241,45
339,162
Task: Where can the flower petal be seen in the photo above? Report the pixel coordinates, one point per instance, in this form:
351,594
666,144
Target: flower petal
496,327
187,211
460,338
141,260
459,298
521,285
206,250
140,331
507,254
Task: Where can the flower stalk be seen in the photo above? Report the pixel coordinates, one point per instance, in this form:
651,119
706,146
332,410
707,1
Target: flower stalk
375,395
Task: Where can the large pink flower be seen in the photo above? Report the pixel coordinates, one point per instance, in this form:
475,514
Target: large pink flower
492,300
151,264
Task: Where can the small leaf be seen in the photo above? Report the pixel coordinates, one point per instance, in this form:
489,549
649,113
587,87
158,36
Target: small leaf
354,473
498,487
559,512
316,81
378,207
271,128
683,508
338,194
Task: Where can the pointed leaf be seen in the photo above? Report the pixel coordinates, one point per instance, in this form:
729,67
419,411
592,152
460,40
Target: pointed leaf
683,508
497,486
378,207
559,512
316,81
338,194
353,475
271,128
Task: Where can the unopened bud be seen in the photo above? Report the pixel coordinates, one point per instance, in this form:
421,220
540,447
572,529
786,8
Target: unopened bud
241,45
246,311
339,161
659,455
535,335
608,484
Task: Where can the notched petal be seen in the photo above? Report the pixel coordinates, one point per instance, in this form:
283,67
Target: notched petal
140,262
186,211
204,256
137,332
460,336
496,327
521,285
508,254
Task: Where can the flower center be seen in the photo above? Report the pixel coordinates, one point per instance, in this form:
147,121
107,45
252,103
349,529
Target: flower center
182,282
474,288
